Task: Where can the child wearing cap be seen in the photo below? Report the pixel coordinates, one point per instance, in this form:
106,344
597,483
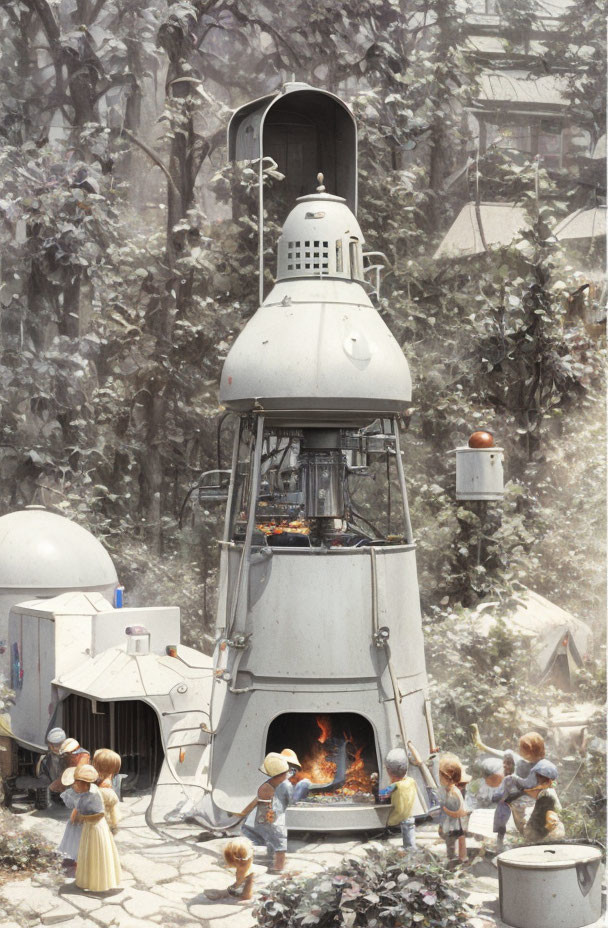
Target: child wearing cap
402,792
452,807
544,823
72,755
98,866
47,770
480,793
268,826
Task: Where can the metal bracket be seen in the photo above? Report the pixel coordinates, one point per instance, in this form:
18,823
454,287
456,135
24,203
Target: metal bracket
381,636
240,642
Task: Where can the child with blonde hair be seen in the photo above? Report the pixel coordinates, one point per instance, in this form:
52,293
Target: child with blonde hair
107,763
452,807
238,854
98,866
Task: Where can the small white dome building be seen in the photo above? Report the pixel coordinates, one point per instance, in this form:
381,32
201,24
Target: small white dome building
43,554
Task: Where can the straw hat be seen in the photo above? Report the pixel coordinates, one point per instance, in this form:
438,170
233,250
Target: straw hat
85,772
292,757
274,764
69,745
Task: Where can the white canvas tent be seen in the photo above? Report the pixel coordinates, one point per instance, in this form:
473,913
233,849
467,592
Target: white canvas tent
582,224
502,223
560,642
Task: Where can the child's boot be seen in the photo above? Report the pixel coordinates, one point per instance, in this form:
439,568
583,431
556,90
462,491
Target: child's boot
279,862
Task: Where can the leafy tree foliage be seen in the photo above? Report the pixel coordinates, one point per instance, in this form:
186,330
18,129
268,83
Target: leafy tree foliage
120,294
383,888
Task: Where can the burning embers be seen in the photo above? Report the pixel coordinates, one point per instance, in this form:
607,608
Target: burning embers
336,751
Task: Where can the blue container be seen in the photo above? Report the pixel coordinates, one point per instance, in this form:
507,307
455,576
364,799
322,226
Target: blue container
119,594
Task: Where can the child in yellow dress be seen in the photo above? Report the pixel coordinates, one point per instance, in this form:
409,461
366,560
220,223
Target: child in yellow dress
107,764
98,866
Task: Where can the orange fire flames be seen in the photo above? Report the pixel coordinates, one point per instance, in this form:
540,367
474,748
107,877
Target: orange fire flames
318,769
325,726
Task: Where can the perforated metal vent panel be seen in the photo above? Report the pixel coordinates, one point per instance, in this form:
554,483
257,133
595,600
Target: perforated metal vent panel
308,255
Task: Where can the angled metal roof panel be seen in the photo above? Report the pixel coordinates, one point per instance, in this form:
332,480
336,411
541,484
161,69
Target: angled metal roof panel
74,603
498,45
114,674
582,224
502,223
600,148
506,87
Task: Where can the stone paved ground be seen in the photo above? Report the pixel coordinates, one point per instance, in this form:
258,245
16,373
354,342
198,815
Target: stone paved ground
166,874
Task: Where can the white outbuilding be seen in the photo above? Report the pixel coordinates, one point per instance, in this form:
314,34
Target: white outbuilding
43,554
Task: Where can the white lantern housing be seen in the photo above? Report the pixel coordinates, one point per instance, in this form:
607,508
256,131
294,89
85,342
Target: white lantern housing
479,474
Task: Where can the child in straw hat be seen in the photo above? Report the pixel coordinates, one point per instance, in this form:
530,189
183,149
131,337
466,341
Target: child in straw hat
294,792
98,866
268,826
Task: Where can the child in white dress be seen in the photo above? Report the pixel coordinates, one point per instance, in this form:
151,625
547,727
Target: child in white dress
71,836
98,866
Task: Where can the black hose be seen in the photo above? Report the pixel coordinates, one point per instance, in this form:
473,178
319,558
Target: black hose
361,518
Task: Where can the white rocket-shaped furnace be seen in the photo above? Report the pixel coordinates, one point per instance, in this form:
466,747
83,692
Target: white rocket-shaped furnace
320,645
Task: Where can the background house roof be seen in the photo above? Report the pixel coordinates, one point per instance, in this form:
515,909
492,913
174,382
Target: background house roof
516,89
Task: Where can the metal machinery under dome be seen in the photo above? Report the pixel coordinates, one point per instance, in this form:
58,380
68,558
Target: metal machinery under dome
320,644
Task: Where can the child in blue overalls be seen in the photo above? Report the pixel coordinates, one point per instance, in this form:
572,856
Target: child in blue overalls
266,824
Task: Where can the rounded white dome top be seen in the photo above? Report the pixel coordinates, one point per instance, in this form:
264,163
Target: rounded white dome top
320,238
45,551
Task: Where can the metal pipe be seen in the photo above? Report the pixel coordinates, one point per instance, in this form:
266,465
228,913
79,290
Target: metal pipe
409,535
112,726
234,467
372,554
254,489
397,696
261,223
234,605
221,617
429,725
234,674
394,684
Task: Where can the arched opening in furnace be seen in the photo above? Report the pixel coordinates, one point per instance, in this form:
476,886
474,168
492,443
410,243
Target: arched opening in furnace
337,751
129,727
